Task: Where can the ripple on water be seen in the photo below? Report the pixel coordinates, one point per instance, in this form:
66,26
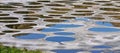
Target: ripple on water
29,36
100,29
60,39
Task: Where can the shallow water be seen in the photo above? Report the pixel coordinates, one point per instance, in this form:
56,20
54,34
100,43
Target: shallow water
30,36
61,26
59,39
104,29
64,33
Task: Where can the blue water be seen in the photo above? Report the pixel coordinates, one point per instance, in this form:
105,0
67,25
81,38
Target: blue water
64,33
96,51
65,26
67,51
104,23
101,46
100,29
81,50
31,36
51,30
59,39
82,19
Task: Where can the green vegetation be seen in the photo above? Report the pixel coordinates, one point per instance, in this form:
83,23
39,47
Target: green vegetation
6,49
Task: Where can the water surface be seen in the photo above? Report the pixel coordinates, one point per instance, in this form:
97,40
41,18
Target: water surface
60,26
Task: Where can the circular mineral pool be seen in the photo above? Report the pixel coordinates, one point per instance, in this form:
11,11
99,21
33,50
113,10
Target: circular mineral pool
30,36
64,33
65,26
99,29
96,51
104,23
50,30
67,51
59,39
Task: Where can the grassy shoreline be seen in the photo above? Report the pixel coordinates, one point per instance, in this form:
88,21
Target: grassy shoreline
6,49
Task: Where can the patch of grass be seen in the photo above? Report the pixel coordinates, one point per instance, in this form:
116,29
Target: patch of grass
6,49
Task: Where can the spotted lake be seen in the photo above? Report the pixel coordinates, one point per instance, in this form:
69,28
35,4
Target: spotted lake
61,26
